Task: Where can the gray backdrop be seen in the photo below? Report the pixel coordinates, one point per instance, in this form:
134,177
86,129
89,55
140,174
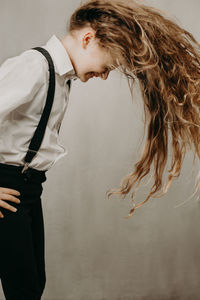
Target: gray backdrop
92,252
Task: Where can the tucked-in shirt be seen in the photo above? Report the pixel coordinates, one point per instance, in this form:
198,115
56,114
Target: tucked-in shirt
24,81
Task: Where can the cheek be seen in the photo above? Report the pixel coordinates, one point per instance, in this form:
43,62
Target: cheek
84,63
90,62
94,63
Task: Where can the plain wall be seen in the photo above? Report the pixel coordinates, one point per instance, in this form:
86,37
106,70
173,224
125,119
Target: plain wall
92,251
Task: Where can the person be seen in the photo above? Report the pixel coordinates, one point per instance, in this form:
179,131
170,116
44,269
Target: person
103,35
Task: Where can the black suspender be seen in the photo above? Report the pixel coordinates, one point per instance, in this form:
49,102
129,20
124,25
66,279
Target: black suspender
40,130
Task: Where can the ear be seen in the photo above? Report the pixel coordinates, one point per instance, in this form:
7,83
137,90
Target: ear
87,39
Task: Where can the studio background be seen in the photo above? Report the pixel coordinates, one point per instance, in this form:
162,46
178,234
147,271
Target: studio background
92,252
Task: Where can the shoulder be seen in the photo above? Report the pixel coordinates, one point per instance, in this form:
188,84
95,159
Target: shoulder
28,62
34,57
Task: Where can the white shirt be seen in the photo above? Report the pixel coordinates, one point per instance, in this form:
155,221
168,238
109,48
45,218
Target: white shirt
24,81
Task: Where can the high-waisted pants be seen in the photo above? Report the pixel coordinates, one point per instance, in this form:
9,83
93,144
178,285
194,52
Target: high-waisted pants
22,249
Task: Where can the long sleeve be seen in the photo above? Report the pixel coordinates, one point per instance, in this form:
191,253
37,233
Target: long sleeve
20,79
24,82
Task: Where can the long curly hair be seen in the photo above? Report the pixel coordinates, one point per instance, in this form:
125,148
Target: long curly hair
150,46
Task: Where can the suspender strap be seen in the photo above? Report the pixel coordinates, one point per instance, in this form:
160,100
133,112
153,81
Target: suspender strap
40,130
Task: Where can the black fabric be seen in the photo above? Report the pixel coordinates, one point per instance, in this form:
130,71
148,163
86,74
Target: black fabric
22,244
32,173
69,83
40,130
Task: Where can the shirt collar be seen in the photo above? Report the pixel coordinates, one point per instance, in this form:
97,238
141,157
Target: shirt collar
62,62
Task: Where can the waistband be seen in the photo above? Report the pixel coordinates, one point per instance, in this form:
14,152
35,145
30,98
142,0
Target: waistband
28,174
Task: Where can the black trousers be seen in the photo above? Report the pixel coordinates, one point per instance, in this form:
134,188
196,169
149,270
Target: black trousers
22,242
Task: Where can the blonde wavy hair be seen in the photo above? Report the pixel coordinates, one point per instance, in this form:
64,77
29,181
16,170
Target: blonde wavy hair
165,58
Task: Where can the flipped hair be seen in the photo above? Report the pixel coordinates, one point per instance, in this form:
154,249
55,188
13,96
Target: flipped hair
165,58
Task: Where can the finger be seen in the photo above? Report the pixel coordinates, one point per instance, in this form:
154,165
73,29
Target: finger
1,215
9,198
7,206
9,191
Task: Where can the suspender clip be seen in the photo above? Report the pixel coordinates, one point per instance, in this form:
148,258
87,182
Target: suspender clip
25,167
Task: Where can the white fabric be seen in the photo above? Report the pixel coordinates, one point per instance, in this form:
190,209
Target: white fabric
24,83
